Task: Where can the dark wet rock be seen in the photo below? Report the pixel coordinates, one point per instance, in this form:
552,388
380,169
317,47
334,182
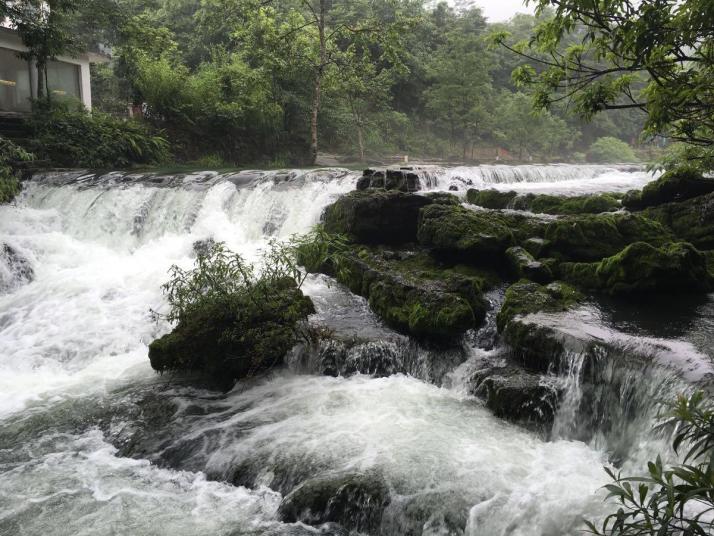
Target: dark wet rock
642,268
594,237
226,338
326,529
457,233
453,188
354,500
376,217
493,199
691,220
403,180
522,265
672,186
433,512
516,395
15,268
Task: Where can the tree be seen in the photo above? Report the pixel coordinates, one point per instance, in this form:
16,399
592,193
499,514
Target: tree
652,55
460,82
45,29
608,149
523,129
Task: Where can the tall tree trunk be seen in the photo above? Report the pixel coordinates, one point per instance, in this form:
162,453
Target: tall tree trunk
41,77
360,140
318,84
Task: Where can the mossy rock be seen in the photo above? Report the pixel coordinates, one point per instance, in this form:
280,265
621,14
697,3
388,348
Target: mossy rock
673,186
415,294
642,268
535,346
456,232
584,204
493,199
691,220
375,216
527,297
594,237
233,337
523,265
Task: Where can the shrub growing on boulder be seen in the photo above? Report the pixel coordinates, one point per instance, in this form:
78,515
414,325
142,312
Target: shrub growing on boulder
231,321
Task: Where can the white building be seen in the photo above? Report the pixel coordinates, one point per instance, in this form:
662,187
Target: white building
67,76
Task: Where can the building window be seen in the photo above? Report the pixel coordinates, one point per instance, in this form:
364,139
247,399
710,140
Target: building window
15,92
63,79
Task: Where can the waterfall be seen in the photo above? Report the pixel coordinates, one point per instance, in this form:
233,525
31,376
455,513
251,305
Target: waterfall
94,442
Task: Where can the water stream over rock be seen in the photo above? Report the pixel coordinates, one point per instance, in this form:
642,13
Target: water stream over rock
92,441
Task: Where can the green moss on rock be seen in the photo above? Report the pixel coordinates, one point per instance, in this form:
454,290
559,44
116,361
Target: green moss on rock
460,233
691,220
230,338
376,216
493,199
673,186
594,237
640,267
526,297
522,265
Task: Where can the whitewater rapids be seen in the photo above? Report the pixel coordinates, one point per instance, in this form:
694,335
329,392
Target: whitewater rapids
73,360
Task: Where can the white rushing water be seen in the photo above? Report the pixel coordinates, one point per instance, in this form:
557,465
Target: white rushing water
73,343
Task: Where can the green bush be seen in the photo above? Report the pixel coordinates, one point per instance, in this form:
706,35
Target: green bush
231,321
76,138
10,155
675,500
611,150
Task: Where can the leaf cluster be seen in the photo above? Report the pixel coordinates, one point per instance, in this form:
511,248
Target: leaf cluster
670,500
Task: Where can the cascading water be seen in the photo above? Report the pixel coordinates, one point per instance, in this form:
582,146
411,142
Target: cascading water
93,442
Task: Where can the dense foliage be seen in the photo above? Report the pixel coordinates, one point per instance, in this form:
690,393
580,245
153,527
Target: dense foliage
72,137
651,55
610,149
670,500
271,82
10,156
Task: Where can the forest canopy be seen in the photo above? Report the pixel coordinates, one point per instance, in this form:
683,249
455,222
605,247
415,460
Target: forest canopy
276,81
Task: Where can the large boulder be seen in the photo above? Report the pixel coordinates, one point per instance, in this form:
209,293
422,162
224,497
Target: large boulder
493,199
232,337
403,180
594,237
691,220
516,394
673,186
378,216
640,267
456,232
532,345
554,204
354,500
